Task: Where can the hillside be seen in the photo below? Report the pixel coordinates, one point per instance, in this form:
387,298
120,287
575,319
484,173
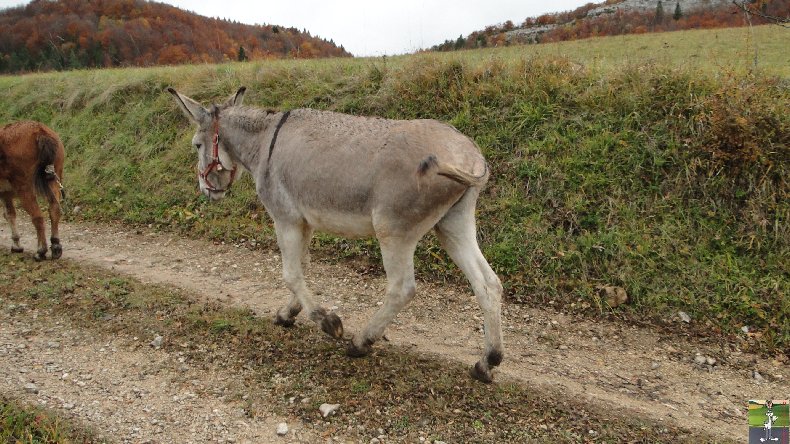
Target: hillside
619,17
655,175
67,34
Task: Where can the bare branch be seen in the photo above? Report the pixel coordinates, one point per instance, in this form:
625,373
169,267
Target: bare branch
779,21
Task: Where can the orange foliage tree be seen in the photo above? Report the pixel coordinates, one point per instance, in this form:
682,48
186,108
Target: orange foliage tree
67,34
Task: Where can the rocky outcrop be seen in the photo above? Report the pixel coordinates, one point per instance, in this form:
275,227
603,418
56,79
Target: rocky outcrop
650,5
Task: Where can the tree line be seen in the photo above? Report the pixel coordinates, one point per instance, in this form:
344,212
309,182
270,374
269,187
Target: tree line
71,34
576,24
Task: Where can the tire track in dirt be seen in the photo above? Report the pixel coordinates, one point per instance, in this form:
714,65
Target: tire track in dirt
635,370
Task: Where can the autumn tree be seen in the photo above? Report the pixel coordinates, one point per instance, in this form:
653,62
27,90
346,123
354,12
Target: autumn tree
659,13
460,43
578,24
68,34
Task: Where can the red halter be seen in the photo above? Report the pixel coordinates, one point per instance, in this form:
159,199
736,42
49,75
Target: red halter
216,163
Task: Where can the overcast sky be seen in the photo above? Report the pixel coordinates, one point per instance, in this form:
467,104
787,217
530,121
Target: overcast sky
370,27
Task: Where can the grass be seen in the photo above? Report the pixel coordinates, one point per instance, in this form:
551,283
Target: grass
403,393
712,50
664,176
22,424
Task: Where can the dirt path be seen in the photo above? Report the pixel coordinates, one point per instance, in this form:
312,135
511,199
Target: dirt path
125,390
634,369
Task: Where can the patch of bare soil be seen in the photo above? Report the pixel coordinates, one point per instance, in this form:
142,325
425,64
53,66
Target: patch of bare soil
125,390
638,370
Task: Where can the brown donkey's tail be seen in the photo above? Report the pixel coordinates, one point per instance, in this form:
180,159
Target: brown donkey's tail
45,171
452,172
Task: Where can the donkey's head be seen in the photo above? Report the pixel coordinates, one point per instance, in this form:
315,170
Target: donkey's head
216,166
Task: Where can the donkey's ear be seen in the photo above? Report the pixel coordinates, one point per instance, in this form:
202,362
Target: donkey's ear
192,109
236,99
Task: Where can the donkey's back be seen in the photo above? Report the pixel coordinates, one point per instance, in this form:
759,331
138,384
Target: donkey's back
360,176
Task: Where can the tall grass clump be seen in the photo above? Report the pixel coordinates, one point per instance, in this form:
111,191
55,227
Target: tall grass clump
668,182
20,423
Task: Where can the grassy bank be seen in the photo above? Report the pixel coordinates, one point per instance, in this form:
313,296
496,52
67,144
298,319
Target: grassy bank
22,424
393,392
668,181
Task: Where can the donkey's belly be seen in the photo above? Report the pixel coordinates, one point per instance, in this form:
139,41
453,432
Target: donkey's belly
343,224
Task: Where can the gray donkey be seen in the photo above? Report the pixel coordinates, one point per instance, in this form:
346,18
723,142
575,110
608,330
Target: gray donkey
355,177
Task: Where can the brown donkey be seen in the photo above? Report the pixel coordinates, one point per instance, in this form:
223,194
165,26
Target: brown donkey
31,161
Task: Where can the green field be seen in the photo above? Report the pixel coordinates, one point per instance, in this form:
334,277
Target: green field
707,50
664,174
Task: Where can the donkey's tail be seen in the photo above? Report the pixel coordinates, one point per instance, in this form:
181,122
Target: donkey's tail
45,171
452,172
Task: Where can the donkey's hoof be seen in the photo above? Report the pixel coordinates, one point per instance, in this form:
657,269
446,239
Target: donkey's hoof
57,251
332,326
494,358
357,352
482,374
40,255
284,322
17,249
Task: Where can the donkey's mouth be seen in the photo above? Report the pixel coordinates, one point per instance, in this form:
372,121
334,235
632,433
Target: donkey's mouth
215,195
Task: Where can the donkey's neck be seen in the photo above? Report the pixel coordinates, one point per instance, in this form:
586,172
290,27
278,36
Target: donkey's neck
245,131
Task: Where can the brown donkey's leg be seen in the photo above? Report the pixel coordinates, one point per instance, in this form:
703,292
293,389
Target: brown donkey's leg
10,216
54,219
30,205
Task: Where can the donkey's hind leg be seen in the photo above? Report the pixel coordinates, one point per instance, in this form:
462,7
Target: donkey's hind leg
54,219
456,231
292,237
398,257
10,216
30,205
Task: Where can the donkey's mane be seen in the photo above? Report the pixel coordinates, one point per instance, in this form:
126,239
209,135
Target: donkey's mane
248,118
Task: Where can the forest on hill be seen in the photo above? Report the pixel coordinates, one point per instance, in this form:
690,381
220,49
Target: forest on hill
611,18
69,34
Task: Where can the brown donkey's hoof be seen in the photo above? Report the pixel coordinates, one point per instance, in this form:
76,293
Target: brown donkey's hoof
332,326
40,255
57,251
17,249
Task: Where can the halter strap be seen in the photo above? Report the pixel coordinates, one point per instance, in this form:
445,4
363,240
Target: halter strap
277,131
216,163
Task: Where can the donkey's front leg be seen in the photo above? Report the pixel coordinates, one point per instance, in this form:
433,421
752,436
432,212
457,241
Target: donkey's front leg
291,238
286,316
398,257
